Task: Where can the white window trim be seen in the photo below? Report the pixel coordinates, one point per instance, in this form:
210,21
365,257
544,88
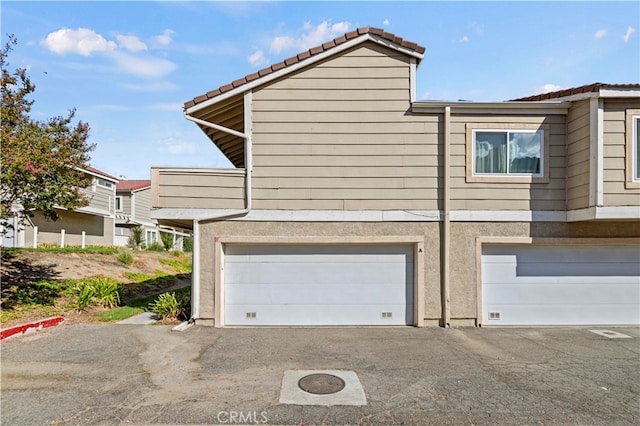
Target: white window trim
146,235
632,180
104,186
472,176
119,200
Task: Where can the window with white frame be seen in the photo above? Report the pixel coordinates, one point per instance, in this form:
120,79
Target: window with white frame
632,166
508,152
119,203
636,148
104,183
152,237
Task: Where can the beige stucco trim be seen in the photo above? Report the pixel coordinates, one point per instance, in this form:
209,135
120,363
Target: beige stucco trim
480,240
418,263
630,182
469,172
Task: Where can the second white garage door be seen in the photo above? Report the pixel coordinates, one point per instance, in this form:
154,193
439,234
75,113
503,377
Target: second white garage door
318,284
560,285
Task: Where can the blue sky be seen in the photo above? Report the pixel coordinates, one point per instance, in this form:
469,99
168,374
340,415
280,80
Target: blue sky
128,67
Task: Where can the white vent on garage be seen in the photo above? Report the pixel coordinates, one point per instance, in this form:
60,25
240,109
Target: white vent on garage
387,315
494,315
251,315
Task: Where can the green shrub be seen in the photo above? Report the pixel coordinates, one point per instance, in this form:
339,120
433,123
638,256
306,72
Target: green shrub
136,239
107,291
125,257
101,290
187,244
85,296
155,246
167,240
171,306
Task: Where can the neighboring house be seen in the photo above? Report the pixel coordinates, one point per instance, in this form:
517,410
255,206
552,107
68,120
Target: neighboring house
351,203
133,208
92,224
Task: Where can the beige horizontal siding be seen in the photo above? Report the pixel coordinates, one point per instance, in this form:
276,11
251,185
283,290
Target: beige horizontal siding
337,136
614,191
142,201
197,188
578,156
505,194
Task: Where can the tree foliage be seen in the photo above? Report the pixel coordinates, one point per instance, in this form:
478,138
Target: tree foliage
40,159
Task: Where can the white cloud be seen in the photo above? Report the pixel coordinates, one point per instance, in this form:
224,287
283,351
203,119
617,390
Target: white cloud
464,39
147,66
257,59
82,41
165,38
309,36
478,28
600,33
131,43
549,87
385,22
627,35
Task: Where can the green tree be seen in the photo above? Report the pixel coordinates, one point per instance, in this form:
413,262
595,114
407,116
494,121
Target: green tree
136,239
167,240
40,159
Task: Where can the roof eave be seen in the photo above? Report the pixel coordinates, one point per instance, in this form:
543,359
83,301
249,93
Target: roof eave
301,64
552,107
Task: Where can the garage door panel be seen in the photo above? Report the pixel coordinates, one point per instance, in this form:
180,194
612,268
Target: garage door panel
561,315
310,315
312,273
288,294
318,284
563,294
527,285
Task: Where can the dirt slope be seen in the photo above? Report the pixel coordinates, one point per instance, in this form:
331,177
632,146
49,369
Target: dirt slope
18,269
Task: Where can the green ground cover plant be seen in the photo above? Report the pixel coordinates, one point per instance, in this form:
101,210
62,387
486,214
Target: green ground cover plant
125,258
180,264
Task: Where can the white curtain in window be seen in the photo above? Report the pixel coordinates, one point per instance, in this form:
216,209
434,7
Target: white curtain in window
491,152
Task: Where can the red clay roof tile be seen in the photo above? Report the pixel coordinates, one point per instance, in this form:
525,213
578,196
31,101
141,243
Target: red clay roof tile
132,185
587,88
305,55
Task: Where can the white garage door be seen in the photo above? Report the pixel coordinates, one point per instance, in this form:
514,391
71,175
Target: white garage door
560,285
318,285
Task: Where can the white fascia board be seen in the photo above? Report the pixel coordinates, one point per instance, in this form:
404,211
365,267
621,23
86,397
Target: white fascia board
93,211
97,175
620,93
604,213
199,170
520,108
298,65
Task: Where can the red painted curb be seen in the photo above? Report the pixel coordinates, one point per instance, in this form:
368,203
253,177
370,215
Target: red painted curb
31,327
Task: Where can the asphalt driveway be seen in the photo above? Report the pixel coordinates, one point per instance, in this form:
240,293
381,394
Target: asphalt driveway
133,374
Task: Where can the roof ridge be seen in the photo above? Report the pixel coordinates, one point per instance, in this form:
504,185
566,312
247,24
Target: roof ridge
586,88
305,55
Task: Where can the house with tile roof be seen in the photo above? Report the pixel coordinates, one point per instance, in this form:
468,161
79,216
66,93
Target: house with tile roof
92,224
352,203
133,208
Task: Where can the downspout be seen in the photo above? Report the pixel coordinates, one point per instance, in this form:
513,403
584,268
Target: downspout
446,223
248,163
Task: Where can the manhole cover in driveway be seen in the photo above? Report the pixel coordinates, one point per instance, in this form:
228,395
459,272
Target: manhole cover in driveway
321,384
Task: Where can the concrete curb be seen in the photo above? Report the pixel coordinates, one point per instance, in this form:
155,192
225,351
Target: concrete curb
31,327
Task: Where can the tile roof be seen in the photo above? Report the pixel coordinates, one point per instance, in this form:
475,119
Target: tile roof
587,88
305,55
132,185
99,172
